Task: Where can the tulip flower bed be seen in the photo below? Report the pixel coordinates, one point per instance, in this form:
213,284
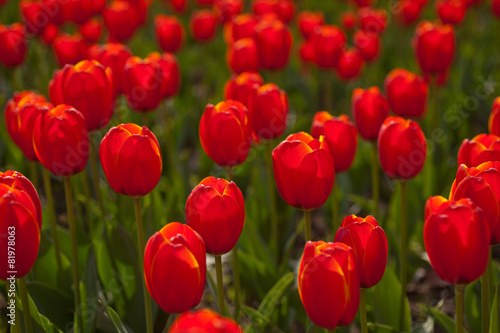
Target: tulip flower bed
249,166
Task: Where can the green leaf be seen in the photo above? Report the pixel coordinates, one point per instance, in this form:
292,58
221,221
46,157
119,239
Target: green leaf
258,321
120,327
89,292
473,306
446,322
40,319
51,303
274,295
495,313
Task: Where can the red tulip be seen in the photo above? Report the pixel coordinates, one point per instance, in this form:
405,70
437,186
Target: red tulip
341,136
175,245
303,170
456,239
205,2
494,120
143,84
239,27
50,33
495,7
482,148
451,11
369,243
369,109
274,42
170,72
242,87
367,44
114,56
91,30
227,9
20,225
21,112
56,10
70,49
169,32
226,133
178,5
215,209
243,56
88,86
283,9
35,17
80,11
205,321
131,159
122,19
406,92
308,21
469,3
372,20
66,153
13,44
350,64
328,42
328,283
362,3
349,20
402,148
202,24
269,110
306,51
408,11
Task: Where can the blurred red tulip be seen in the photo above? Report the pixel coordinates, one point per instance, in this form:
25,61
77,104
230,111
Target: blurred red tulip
304,171
169,68
239,27
482,148
402,148
451,11
456,239
169,32
21,112
70,49
408,11
328,42
55,8
205,2
178,6
87,86
469,3
283,9
368,240
494,120
495,7
66,153
372,20
122,19
143,84
131,159
50,33
175,245
349,20
91,30
269,111
205,321
243,56
35,17
328,283
362,3
80,11
242,87
341,136
306,51
226,133
367,44
308,21
216,210
350,64
227,9
20,224
13,44
369,109
202,24
406,92
114,56
274,41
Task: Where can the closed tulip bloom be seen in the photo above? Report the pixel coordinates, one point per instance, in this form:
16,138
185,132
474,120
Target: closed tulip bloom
56,10
227,9
91,30
70,49
202,25
456,239
494,120
350,64
408,11
66,153
369,109
131,159
495,7
114,56
50,32
170,72
21,112
13,44
175,245
269,110
243,56
369,243
308,21
88,86
169,32
274,41
21,222
482,148
451,11
204,320
406,92
341,136
242,87
306,51
303,170
239,27
80,11
328,283
226,133
402,148
215,209
122,19
349,20
35,18
482,185
372,20
143,84
285,10
178,5
469,3
367,44
328,42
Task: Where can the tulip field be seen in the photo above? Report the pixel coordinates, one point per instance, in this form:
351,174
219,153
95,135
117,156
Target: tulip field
229,166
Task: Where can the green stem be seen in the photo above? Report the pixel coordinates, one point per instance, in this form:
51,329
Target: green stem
328,78
141,245
485,309
403,239
95,177
145,118
490,275
86,191
236,277
229,174
434,102
23,292
335,210
74,252
459,308
272,201
16,328
308,228
52,216
220,285
17,79
332,331
362,310
34,173
375,179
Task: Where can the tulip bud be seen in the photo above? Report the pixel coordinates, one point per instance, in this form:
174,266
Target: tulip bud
239,27
274,41
328,41
308,21
369,109
408,11
283,9
227,9
205,321
13,44
406,92
69,49
243,56
178,5
362,3
131,159
350,64
482,148
494,120
372,20
114,56
367,44
451,11
203,24
495,7
35,18
91,30
50,33
175,245
122,19
170,72
328,283
306,51
349,20
169,32
242,87
143,84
